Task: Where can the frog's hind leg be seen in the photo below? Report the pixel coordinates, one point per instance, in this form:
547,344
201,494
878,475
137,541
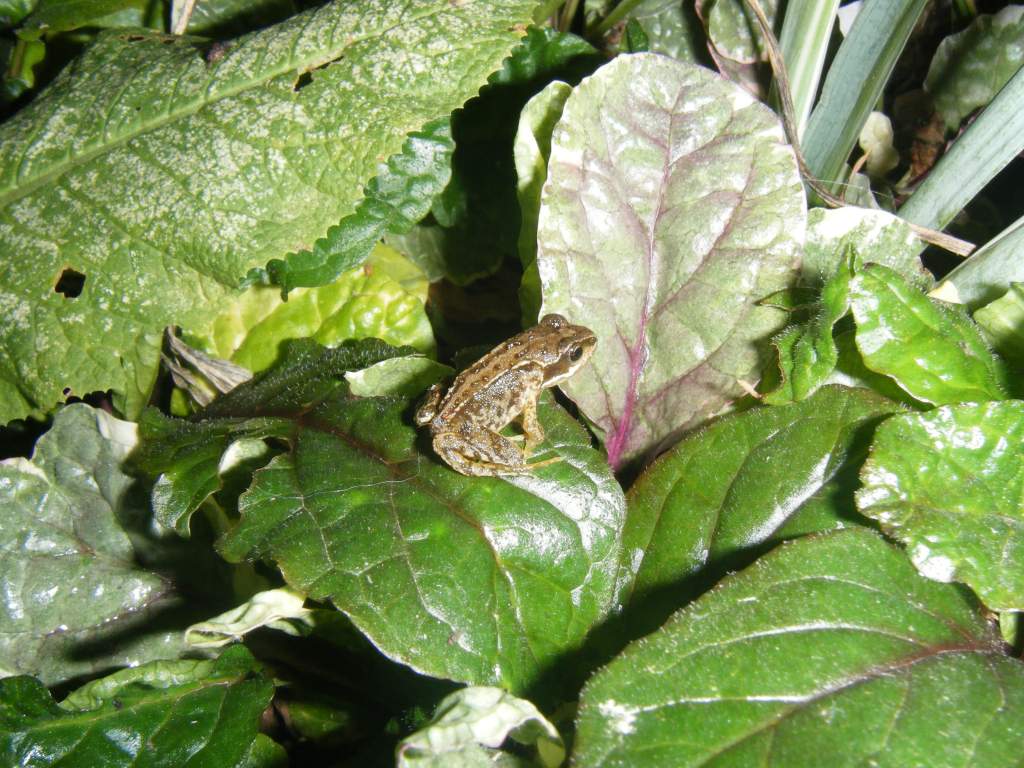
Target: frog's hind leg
486,455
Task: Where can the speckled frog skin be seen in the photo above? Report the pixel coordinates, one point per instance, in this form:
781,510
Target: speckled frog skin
499,387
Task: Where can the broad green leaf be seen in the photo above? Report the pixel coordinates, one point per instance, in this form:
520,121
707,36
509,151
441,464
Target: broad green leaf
221,18
734,31
672,29
409,376
933,351
854,84
424,246
191,456
182,170
877,236
471,725
75,599
970,67
61,15
160,714
398,197
531,151
274,608
831,650
483,580
362,303
749,480
661,232
1003,323
949,484
13,11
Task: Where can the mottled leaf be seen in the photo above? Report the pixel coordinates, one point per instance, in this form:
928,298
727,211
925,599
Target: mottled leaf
971,66
661,230
160,714
483,580
75,600
672,29
734,31
748,480
831,650
185,168
933,351
470,726
949,484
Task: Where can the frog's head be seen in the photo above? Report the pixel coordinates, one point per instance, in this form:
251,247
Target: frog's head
568,347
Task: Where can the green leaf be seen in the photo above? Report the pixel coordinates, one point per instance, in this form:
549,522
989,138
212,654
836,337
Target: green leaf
933,351
483,580
531,151
75,599
831,650
398,197
160,714
970,67
734,31
225,18
471,725
362,303
189,455
182,171
52,16
949,484
661,232
672,29
854,84
274,608
748,480
804,41
990,270
13,11
1003,323
407,376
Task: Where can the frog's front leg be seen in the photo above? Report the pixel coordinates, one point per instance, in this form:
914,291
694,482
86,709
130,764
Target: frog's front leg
485,455
532,429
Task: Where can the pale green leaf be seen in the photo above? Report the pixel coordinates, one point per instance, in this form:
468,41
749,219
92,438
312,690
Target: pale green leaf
183,170
75,600
274,608
409,376
734,30
990,270
970,67
672,207
672,29
470,726
949,484
829,651
1003,323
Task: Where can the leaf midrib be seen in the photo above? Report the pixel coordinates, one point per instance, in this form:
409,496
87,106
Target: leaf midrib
20,188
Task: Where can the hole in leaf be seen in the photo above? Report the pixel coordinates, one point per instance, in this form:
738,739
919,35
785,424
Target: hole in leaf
70,283
302,81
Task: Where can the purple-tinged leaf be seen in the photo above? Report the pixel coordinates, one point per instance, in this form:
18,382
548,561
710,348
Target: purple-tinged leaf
672,206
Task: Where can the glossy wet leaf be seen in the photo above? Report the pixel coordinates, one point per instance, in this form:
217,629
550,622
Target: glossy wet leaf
1003,323
971,66
186,167
933,351
831,650
672,29
398,197
222,18
75,599
661,231
949,484
734,31
160,714
483,580
470,726
362,303
746,481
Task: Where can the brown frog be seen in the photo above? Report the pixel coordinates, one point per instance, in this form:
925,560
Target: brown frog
499,387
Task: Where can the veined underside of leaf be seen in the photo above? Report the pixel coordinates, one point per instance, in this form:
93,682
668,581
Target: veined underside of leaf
672,206
162,173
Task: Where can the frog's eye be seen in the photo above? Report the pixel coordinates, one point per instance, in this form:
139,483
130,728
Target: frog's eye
575,353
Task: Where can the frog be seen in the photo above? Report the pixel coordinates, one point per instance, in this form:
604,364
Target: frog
466,419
